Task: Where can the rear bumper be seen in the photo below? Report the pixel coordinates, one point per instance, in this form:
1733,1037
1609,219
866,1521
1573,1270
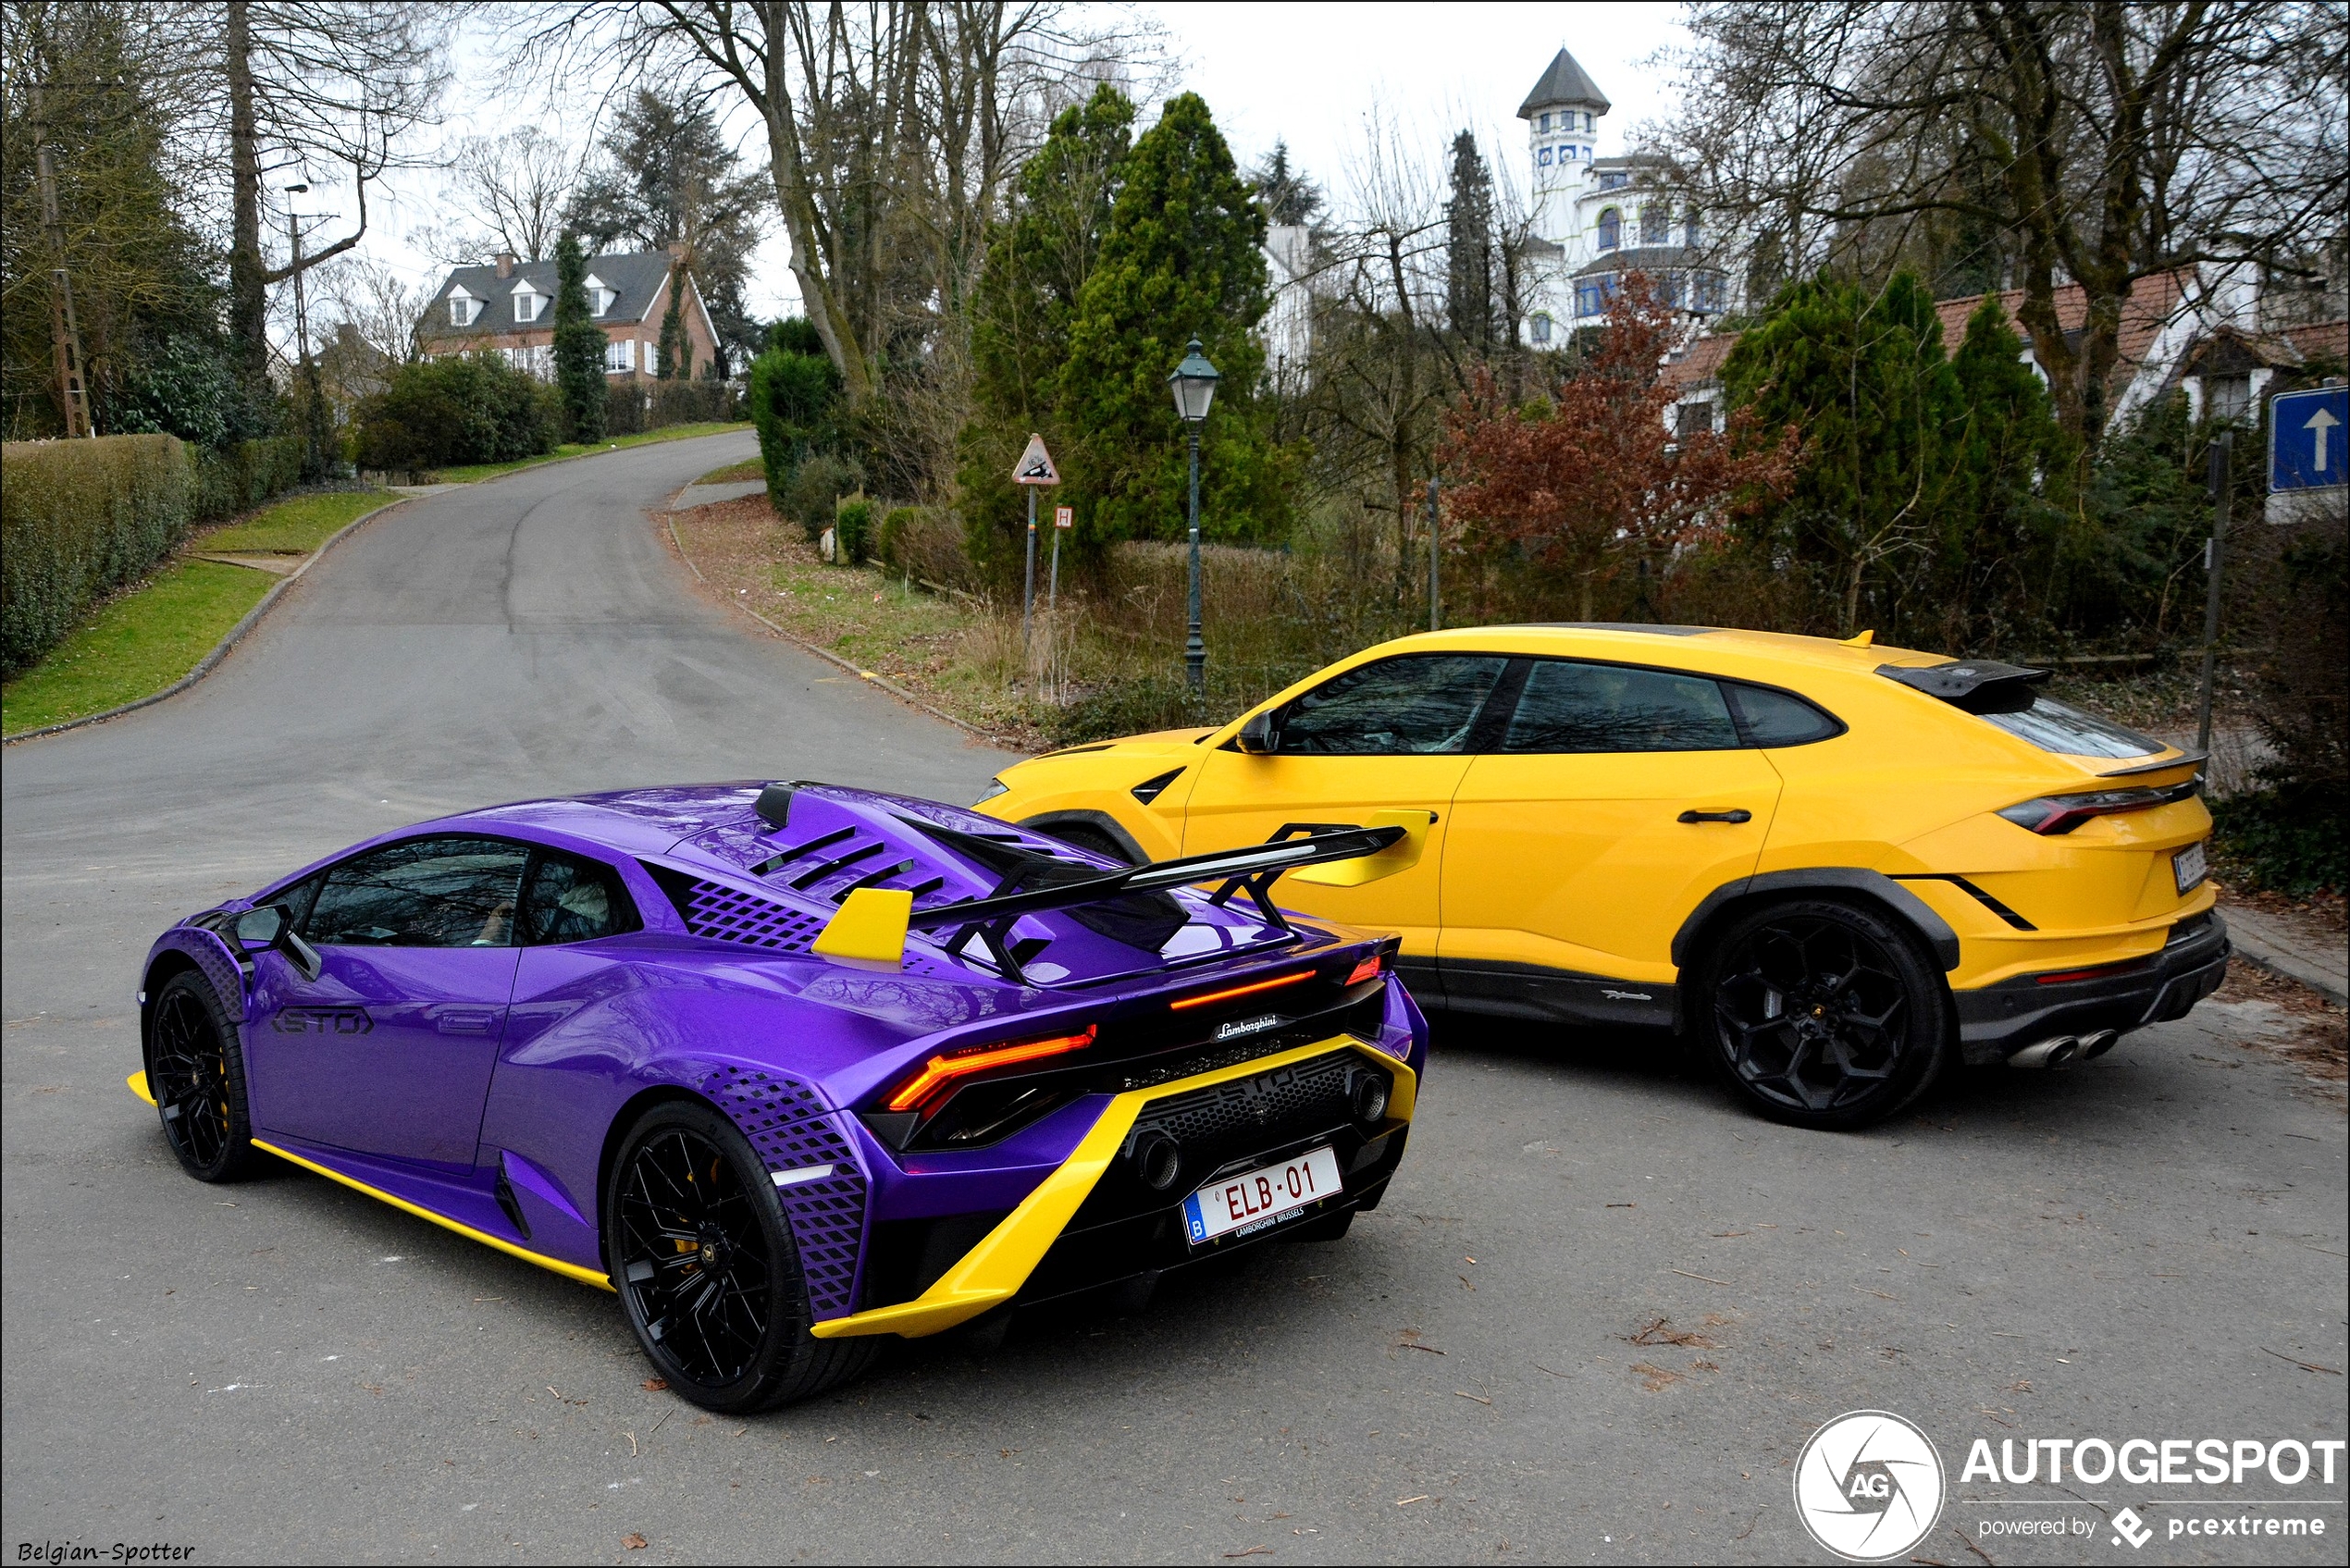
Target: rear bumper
1999,1021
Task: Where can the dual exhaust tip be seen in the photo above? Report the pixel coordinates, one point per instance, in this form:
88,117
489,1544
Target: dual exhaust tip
2065,1050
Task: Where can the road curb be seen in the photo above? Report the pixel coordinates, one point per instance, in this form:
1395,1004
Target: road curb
2277,961
829,657
220,649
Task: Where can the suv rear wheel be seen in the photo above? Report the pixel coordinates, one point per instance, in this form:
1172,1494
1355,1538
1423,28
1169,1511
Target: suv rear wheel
1824,1014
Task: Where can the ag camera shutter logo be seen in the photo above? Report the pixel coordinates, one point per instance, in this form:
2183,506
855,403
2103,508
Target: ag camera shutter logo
1869,1485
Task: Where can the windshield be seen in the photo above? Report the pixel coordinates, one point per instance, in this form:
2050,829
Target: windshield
2053,726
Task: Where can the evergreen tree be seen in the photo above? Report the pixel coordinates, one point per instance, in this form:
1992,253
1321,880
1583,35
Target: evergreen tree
579,346
1287,196
791,394
1182,258
677,347
1996,550
1866,381
1036,267
1470,259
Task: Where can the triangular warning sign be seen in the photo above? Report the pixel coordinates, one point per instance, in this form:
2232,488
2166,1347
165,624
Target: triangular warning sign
1035,467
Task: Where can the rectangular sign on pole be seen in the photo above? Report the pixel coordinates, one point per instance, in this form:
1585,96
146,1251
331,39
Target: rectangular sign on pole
2307,433
1064,517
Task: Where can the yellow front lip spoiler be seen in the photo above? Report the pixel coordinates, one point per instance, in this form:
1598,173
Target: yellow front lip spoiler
993,1272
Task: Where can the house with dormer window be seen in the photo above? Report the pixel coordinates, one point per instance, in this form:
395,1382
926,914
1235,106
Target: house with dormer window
508,306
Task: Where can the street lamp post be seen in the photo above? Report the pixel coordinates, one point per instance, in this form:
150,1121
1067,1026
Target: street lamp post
1194,384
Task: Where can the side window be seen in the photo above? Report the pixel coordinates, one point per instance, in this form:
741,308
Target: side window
425,892
1571,707
1421,705
1775,718
570,900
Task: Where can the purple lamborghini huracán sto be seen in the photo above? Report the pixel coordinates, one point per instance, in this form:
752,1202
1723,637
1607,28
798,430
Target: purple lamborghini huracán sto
793,1066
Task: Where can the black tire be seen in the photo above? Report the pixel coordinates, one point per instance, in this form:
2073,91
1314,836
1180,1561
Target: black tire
1091,839
707,1270
1823,1014
196,1072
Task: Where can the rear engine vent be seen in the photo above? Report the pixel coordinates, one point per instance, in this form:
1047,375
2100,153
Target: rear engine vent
727,914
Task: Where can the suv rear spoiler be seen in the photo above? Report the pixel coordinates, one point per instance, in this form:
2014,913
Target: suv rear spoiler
1972,686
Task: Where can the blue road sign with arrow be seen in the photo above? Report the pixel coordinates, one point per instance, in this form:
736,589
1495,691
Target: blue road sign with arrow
2309,439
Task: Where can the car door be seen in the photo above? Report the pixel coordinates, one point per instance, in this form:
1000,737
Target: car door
389,1051
1393,733
1613,801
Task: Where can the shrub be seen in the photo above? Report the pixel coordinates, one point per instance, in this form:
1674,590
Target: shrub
78,519
853,528
466,408
792,388
240,477
815,491
2286,838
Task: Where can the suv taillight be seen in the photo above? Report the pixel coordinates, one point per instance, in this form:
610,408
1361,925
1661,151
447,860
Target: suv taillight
2061,813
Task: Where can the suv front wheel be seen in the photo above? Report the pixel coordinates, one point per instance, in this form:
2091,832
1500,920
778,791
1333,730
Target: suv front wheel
1823,1014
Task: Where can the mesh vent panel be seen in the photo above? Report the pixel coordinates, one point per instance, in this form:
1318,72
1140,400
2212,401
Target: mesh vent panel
789,1129
712,910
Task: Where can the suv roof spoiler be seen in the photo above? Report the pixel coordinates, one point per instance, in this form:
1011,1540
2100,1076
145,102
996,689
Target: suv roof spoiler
1972,686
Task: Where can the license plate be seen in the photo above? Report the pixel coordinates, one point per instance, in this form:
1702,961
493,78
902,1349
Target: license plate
1261,1197
2186,868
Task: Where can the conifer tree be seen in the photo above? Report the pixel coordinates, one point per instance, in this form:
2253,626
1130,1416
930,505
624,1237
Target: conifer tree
1470,259
1182,258
579,346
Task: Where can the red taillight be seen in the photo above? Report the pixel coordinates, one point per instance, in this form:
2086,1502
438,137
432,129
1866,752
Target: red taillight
1205,997
2100,972
978,1058
2062,813
1368,969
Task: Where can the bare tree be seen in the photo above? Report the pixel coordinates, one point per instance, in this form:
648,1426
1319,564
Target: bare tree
512,190
2098,143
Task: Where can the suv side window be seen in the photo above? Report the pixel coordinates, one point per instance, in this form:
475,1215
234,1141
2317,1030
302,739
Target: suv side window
1778,718
571,899
1418,705
425,892
1571,707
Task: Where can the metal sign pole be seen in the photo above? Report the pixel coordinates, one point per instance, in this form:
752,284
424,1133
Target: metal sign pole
1053,587
1028,599
2211,558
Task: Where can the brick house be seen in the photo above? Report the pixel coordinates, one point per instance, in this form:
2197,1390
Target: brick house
509,306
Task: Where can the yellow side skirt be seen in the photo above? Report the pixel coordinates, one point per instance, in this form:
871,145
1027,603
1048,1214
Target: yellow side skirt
993,1271
138,1081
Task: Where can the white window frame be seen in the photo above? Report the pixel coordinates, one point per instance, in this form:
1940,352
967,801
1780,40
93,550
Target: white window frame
525,294
619,357
600,294
463,309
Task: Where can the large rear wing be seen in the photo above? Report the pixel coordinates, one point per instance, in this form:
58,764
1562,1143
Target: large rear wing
873,923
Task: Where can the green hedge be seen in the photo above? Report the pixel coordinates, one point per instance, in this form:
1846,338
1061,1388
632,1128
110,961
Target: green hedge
632,407
78,519
462,409
240,477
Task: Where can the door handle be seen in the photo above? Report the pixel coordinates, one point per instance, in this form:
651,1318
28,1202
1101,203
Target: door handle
1736,814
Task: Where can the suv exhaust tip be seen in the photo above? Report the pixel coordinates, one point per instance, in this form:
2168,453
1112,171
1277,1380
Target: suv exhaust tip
2053,1055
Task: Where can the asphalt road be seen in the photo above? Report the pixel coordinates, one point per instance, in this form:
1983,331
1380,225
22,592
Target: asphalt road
2150,1246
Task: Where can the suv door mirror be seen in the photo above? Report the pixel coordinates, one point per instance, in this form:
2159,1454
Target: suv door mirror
1256,735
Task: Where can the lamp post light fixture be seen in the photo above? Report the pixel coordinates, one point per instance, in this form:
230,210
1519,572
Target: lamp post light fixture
1194,384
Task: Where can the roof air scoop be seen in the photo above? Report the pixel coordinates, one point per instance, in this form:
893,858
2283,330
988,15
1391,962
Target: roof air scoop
1972,686
774,806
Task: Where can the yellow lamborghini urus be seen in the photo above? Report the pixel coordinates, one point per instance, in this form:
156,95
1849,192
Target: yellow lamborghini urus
1840,868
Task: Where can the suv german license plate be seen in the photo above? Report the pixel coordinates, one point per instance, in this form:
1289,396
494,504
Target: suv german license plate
2186,868
1261,1197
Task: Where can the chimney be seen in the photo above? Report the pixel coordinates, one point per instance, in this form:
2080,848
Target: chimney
676,251
505,264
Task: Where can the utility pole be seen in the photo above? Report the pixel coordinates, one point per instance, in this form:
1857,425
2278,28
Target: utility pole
293,238
1435,600
2221,450
65,336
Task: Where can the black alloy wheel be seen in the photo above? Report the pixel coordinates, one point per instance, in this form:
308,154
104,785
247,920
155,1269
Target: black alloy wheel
196,1072
1825,1013
707,1269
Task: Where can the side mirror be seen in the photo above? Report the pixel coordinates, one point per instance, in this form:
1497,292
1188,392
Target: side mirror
1256,735
272,926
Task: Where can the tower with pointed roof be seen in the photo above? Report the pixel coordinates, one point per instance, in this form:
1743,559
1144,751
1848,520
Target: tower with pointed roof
1597,217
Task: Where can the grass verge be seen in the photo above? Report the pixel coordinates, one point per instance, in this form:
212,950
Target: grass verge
735,474
134,645
475,473
294,526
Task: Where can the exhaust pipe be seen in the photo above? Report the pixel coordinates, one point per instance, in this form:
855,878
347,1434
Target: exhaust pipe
2054,1055
2097,1045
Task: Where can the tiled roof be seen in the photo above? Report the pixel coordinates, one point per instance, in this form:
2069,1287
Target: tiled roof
635,279
2153,301
1651,259
1563,82
1702,362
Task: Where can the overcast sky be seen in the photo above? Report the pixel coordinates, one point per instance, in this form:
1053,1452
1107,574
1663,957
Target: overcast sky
1307,74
